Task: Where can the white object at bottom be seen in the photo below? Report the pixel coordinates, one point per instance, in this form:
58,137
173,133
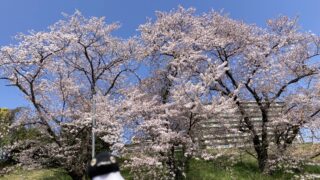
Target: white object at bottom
110,176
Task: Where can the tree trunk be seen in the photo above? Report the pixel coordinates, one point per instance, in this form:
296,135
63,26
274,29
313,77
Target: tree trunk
261,147
170,162
176,164
263,159
78,169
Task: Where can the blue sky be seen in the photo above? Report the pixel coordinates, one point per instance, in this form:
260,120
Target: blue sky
22,15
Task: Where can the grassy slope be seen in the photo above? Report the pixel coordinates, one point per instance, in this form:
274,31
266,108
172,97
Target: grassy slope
242,170
198,170
43,174
220,169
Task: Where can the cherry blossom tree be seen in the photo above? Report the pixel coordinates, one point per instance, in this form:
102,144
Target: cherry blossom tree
60,72
200,65
169,106
267,66
210,58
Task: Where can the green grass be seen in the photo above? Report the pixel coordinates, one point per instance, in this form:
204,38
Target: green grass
42,174
126,174
245,170
312,169
220,169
